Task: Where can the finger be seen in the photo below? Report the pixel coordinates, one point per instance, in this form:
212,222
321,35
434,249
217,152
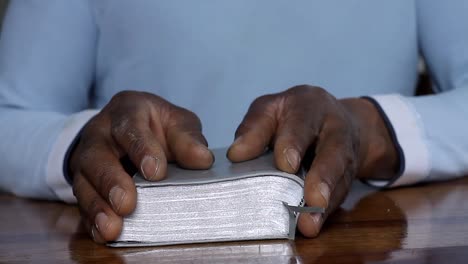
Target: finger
91,229
186,142
100,219
134,136
310,224
256,130
108,177
294,135
332,165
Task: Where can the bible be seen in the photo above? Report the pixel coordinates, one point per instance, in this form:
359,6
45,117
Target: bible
250,200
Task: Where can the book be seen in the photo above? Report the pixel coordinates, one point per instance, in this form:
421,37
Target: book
250,200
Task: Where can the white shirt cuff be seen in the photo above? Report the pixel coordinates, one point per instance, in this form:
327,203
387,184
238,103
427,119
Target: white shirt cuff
409,135
54,171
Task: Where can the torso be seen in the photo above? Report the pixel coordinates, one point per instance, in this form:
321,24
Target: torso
215,57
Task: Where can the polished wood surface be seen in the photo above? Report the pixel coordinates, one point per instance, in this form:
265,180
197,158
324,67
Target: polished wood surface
423,224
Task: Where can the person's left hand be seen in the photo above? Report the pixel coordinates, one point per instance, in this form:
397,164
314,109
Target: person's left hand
348,137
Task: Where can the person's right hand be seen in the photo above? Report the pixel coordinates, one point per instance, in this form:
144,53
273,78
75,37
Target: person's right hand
150,132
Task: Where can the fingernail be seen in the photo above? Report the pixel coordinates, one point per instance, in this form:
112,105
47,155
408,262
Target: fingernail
116,196
293,158
101,222
149,167
96,236
324,191
92,233
317,218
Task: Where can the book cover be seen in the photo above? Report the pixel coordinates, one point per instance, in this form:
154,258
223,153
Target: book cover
249,200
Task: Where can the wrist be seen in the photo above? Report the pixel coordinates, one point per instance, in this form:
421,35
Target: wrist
378,156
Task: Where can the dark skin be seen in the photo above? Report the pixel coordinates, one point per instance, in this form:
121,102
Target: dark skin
348,137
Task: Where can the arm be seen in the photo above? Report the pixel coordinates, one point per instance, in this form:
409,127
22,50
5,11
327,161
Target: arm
433,130
46,68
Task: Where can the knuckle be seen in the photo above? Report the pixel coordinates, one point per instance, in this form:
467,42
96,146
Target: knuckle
122,96
305,89
120,127
105,179
317,94
125,103
126,132
261,101
152,97
320,91
288,136
301,88
137,144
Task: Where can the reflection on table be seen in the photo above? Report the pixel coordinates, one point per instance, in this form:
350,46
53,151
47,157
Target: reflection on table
424,224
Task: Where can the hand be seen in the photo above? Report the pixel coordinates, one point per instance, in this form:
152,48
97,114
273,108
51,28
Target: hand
150,132
347,137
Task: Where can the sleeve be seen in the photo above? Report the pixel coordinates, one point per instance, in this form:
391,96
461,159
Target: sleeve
432,131
47,60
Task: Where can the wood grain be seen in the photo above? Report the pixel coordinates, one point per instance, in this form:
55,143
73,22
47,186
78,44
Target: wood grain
423,224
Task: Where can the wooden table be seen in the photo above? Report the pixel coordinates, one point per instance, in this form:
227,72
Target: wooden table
424,224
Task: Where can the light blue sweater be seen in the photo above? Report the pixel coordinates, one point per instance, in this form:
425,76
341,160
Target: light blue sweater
59,58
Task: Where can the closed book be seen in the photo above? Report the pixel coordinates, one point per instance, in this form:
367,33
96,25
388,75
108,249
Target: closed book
250,200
